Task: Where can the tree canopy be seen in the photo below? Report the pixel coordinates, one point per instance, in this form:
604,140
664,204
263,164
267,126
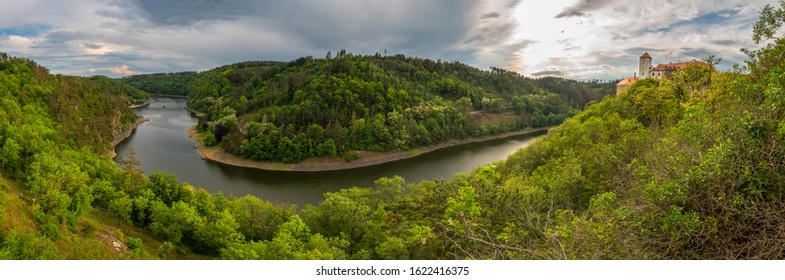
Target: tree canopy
286,112
687,167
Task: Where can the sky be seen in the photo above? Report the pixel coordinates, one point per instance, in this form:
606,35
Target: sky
575,39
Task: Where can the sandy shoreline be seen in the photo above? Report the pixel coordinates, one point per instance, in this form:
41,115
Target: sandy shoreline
327,164
145,104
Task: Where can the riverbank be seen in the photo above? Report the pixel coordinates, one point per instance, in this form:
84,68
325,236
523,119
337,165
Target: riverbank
119,136
137,106
367,158
196,113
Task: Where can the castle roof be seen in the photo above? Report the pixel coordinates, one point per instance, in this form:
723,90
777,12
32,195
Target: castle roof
680,65
627,81
646,55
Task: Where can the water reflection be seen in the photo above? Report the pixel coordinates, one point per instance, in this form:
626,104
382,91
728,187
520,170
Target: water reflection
163,145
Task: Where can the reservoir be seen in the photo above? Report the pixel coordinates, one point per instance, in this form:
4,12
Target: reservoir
162,144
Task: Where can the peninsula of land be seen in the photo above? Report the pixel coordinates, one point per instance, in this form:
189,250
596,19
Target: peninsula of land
313,164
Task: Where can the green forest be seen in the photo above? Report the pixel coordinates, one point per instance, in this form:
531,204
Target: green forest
331,107
687,167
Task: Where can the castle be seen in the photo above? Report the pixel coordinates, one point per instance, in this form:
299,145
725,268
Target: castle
663,70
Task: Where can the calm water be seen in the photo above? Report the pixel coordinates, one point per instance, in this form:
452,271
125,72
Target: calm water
163,145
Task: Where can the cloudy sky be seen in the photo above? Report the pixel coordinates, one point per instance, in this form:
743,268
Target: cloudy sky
578,39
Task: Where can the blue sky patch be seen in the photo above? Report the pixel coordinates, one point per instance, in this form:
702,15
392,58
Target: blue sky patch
24,30
717,17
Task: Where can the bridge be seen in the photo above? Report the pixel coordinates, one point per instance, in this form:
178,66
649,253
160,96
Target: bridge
161,103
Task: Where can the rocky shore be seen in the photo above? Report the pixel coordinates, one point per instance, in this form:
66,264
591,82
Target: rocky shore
119,136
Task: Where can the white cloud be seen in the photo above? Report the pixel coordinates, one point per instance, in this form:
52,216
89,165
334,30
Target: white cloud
693,37
22,44
526,36
592,33
122,70
491,40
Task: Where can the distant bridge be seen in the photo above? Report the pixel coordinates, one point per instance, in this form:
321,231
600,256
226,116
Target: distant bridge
161,103
166,105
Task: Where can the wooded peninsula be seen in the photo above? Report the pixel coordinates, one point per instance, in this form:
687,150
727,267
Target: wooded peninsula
688,166
344,107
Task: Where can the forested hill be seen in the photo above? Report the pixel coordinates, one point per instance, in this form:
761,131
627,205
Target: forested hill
688,167
55,132
288,111
87,111
162,83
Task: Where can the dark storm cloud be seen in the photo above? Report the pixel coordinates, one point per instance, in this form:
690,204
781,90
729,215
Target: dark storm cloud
201,32
582,7
186,12
394,25
175,35
417,26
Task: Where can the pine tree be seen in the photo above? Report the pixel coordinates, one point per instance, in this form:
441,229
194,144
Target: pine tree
133,172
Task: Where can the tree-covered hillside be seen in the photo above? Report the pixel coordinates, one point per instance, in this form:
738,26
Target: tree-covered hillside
55,132
687,167
131,95
577,93
329,107
162,83
86,111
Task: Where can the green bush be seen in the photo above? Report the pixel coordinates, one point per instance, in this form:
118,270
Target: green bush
351,156
209,139
134,243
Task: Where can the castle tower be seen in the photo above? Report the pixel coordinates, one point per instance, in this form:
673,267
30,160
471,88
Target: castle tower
645,65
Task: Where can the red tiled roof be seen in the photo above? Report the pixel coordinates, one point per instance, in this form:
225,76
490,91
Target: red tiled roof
627,81
680,65
646,55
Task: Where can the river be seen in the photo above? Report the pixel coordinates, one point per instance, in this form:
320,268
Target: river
163,145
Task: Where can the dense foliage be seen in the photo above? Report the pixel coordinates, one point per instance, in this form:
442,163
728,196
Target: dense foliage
577,93
54,133
132,94
162,83
328,107
38,108
688,167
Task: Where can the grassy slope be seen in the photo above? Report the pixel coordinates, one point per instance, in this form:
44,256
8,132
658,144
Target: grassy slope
97,235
